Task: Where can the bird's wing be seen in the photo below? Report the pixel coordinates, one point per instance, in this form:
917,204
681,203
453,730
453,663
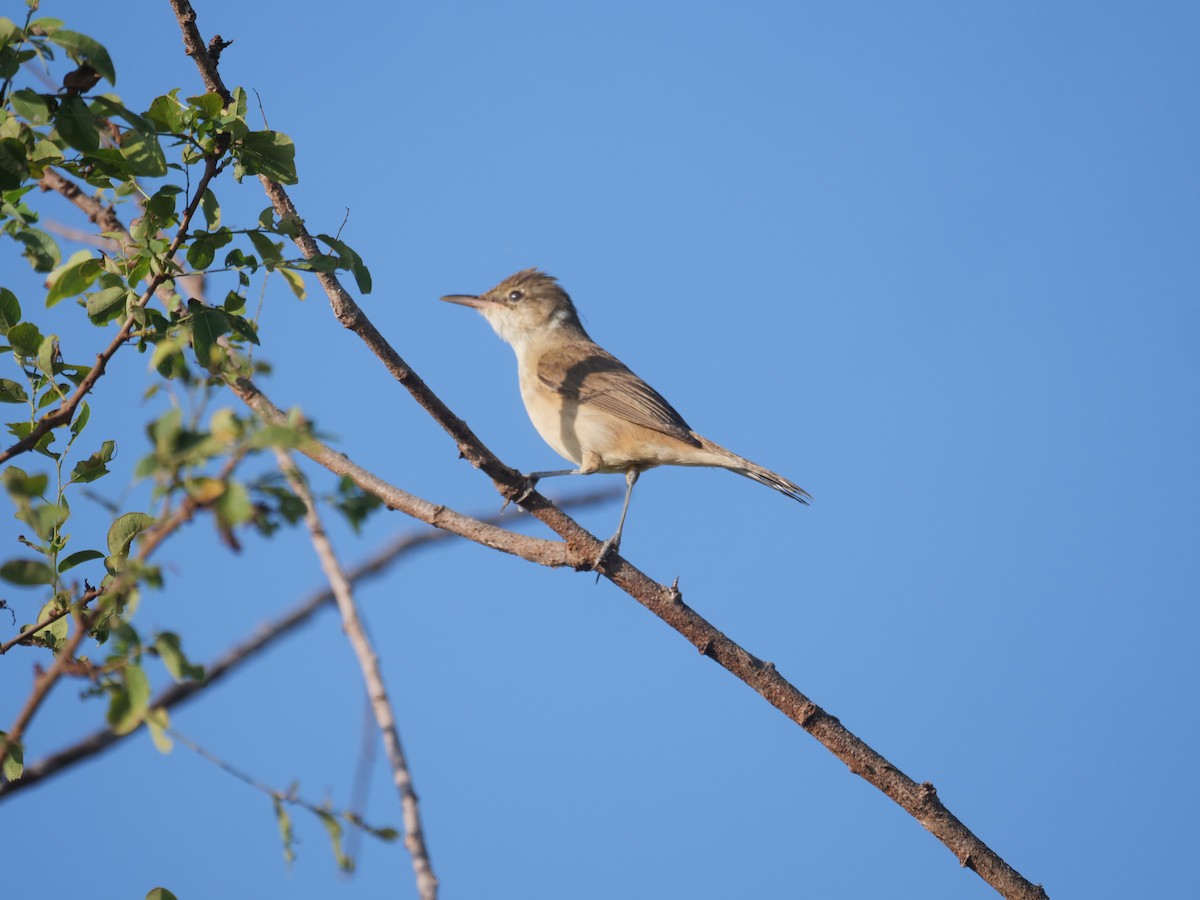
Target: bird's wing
583,372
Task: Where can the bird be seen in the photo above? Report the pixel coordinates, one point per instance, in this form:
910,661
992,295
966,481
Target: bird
588,405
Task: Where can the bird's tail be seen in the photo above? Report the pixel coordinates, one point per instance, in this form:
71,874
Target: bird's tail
743,466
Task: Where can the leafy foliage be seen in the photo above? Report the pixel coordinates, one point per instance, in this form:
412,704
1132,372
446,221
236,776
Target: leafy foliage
149,180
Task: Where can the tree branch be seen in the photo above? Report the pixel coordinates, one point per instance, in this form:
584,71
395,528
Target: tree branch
373,567
148,542
538,550
368,662
919,800
64,413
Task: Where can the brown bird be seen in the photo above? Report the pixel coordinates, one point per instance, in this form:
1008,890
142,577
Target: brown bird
586,404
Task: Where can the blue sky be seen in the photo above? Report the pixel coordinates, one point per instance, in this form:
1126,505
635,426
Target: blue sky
935,262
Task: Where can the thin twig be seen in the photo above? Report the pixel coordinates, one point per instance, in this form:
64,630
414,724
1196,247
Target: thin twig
919,800
289,796
368,662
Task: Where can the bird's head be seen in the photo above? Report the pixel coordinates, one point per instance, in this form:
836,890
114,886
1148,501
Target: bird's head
524,306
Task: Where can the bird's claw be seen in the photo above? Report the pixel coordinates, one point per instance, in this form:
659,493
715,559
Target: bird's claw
528,486
607,549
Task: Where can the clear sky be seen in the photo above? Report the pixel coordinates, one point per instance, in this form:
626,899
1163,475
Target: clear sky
935,262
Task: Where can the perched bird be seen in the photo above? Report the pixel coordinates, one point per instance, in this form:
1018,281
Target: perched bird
586,404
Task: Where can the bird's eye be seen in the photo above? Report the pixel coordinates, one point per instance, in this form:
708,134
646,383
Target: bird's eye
514,296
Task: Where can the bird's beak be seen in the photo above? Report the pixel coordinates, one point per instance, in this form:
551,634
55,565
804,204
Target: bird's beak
466,300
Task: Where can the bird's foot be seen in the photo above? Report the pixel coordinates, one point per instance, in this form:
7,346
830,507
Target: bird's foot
528,486
607,549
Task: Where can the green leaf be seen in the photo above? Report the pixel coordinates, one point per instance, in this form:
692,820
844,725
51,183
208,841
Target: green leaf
165,111
40,249
205,245
25,339
176,663
47,354
76,125
78,558
125,529
9,34
295,282
207,326
144,154
95,466
20,485
351,261
45,153
234,507
160,893
129,702
10,310
157,722
26,572
244,329
268,251
73,277
81,420
76,374
105,305
60,626
269,153
14,167
161,205
354,503
11,392
334,827
14,758
210,208
209,105
46,25
286,834
84,49
31,106
45,519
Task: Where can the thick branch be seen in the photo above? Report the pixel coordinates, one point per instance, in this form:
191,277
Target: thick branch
368,662
919,800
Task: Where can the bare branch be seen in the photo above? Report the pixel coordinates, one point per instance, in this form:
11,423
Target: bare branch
368,662
919,800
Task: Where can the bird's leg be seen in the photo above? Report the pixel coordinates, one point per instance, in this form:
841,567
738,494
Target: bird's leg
614,543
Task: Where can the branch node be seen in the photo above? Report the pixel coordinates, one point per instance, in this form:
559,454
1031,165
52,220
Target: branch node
675,595
215,46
